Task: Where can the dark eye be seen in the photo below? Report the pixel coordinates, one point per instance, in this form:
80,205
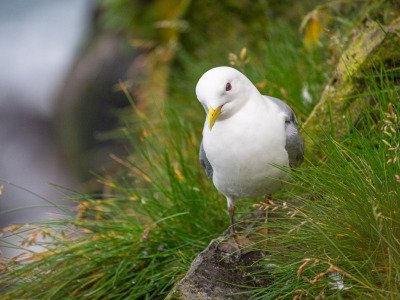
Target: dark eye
228,86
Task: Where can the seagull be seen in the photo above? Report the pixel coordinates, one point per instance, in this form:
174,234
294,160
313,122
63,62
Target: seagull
248,138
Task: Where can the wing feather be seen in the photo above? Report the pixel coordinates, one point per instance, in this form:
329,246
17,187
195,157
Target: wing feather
204,162
294,142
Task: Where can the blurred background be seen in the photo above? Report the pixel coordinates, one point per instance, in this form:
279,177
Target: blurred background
54,63
39,42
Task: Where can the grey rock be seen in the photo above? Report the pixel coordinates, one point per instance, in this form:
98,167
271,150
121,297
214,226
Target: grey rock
220,271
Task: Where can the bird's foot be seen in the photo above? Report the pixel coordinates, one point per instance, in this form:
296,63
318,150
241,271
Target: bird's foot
230,246
234,246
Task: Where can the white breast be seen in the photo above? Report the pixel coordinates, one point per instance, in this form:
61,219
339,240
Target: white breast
245,149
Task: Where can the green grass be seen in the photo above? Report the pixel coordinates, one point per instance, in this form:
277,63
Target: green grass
137,241
347,212
139,237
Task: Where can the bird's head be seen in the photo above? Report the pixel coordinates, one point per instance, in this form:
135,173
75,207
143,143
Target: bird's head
223,91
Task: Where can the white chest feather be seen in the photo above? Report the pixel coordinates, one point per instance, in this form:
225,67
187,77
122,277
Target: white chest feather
245,149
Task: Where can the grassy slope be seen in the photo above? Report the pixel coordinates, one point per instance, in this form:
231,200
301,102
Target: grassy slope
141,238
350,224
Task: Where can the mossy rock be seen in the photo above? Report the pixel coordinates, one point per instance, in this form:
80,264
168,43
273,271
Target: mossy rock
375,46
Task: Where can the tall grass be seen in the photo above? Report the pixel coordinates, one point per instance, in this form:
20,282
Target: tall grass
347,224
137,241
139,237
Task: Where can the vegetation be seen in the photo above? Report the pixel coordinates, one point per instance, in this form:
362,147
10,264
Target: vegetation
340,237
337,225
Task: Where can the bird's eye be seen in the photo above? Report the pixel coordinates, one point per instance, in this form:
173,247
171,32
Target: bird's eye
228,86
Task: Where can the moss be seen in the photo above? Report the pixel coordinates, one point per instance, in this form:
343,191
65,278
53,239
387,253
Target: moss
374,46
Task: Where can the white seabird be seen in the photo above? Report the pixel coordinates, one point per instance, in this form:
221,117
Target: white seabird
245,137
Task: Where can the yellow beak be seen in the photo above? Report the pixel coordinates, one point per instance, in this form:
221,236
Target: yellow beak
213,115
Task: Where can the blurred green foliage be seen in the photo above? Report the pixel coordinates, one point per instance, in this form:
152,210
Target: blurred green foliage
201,22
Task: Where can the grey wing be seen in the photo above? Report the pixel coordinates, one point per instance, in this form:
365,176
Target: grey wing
294,145
294,142
204,162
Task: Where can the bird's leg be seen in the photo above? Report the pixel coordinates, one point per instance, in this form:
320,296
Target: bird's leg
267,199
231,245
231,209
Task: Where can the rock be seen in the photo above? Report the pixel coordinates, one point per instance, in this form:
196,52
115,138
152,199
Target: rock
88,103
220,271
374,46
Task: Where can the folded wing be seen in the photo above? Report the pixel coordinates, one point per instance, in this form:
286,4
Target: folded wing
294,142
